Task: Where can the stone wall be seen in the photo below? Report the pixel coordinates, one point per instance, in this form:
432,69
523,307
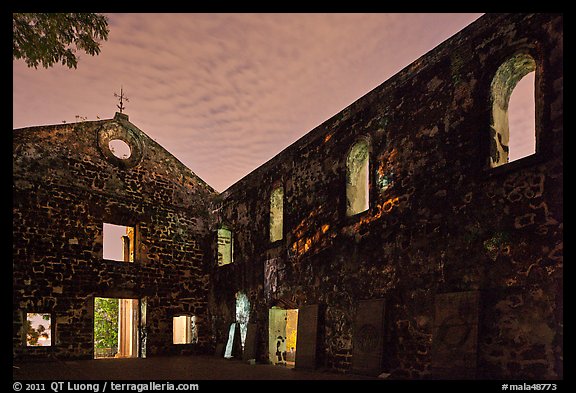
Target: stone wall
440,219
66,184
466,257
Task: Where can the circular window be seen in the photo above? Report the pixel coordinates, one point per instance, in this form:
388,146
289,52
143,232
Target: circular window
120,145
120,149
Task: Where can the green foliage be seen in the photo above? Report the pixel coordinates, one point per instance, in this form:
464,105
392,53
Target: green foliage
496,244
498,239
105,322
50,38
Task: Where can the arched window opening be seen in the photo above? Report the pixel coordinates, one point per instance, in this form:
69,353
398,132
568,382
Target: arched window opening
513,130
522,119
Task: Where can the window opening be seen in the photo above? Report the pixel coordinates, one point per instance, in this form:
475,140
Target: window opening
357,179
225,247
118,243
38,328
513,112
276,214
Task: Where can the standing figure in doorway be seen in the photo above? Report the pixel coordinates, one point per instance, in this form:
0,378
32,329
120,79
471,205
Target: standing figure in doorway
280,355
193,330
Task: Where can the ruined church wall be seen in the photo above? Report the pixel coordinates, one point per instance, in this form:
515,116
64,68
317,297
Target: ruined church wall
440,221
65,186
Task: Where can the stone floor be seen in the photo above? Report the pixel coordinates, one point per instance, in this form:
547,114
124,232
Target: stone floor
167,368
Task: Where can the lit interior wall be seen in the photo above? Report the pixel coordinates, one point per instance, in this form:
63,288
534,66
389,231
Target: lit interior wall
503,84
242,315
276,214
225,246
291,336
357,171
276,335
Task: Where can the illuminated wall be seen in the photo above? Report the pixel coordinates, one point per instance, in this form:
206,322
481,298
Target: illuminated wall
357,179
508,75
395,198
276,214
242,314
225,246
69,191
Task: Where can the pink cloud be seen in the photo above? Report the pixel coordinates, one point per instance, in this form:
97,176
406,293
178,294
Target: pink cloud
225,92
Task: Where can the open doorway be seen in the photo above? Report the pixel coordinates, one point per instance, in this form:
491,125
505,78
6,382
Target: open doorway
116,328
282,335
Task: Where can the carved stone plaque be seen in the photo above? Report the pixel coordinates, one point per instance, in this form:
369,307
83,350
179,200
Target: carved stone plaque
249,351
307,336
455,335
219,351
368,337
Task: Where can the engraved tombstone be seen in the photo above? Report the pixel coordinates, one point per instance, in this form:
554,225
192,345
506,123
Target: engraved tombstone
455,335
249,351
307,337
368,337
219,351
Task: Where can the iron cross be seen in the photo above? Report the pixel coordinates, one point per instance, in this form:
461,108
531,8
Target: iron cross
122,98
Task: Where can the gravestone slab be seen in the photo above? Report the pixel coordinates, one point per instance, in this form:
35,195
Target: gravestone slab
368,337
219,351
306,342
250,343
455,335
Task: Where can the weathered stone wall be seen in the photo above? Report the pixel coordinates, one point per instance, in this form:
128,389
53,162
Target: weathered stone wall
440,220
66,184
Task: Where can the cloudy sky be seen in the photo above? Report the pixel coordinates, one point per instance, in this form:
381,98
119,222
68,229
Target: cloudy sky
226,92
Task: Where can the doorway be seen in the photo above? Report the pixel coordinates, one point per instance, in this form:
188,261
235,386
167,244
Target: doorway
282,335
116,328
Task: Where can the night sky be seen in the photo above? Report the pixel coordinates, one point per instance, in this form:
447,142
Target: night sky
224,93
